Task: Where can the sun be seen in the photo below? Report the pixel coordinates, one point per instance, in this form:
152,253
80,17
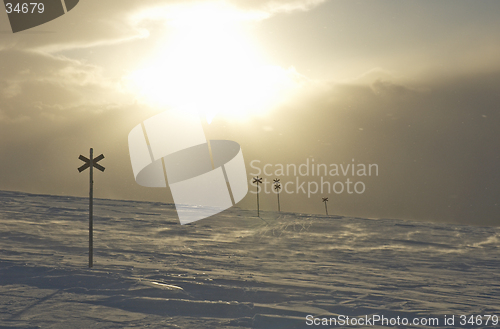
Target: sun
209,65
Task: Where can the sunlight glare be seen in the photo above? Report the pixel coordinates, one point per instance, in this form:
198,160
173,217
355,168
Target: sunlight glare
211,66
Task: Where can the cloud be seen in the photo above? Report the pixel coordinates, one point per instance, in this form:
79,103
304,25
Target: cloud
95,23
388,87
90,24
32,83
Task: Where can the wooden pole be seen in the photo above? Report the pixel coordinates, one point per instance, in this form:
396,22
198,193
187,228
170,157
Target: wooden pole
326,209
279,210
91,206
258,214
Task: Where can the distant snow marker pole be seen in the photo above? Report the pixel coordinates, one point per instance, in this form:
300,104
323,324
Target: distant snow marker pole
91,163
325,200
277,187
257,180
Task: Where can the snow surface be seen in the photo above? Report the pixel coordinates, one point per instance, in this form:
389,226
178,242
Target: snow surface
232,270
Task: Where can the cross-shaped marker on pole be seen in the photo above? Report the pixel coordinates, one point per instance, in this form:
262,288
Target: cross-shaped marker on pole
94,163
91,163
325,200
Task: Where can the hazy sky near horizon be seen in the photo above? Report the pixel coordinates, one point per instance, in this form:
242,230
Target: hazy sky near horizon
412,86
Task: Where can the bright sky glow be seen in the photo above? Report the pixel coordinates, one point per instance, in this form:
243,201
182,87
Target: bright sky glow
210,66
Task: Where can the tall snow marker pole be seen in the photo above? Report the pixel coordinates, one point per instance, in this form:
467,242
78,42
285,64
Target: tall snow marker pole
277,187
257,180
91,210
91,163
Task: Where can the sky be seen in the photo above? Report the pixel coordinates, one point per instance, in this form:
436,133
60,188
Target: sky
412,87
